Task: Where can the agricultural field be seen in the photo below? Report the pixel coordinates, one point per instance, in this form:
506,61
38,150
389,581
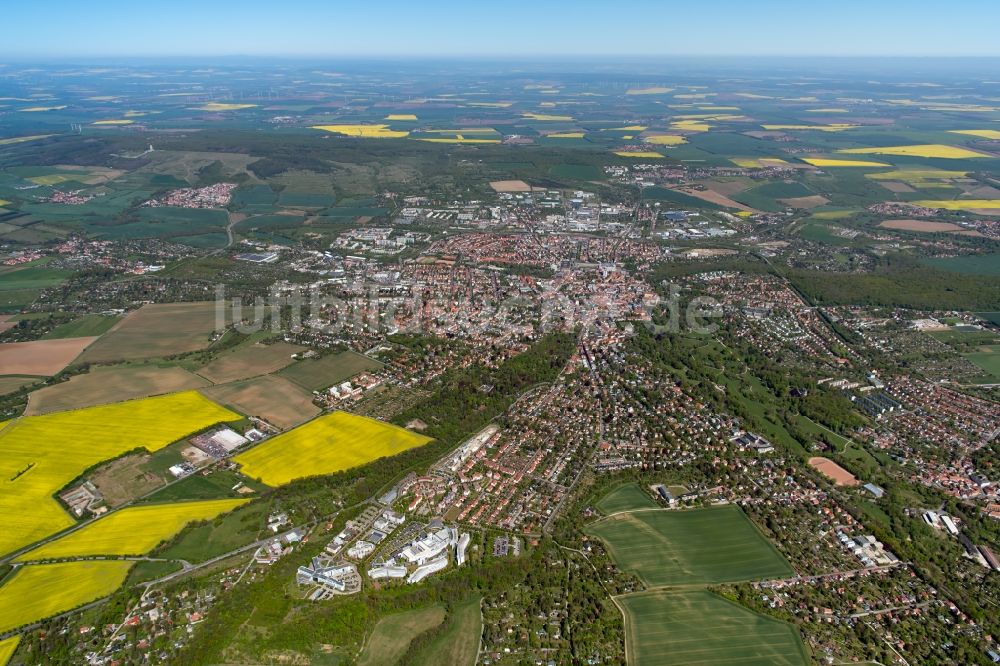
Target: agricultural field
102,386
157,330
37,591
41,357
626,498
74,441
393,634
697,546
7,648
937,151
270,397
316,374
134,530
249,361
699,627
93,325
327,444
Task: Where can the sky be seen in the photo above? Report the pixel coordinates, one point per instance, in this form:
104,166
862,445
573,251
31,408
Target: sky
57,29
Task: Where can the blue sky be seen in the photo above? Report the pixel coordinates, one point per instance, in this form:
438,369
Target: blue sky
66,28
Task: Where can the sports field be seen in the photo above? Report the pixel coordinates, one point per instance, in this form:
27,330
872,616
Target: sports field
701,628
156,330
625,498
696,546
135,530
37,591
328,444
44,453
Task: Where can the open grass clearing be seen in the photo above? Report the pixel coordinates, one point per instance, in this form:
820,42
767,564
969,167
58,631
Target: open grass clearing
701,628
393,634
695,546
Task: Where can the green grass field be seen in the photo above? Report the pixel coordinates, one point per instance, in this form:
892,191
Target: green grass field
625,498
84,327
701,628
989,361
697,546
458,643
316,374
393,633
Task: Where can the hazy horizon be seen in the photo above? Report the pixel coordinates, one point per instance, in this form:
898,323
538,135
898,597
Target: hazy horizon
310,29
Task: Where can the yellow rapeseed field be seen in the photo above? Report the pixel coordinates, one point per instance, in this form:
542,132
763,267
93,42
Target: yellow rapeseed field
41,454
135,530
401,116
690,126
3,202
961,204
924,150
22,139
7,648
545,116
457,139
223,106
37,591
823,162
665,140
835,127
566,135
626,128
638,153
652,90
909,175
757,163
52,179
325,445
982,134
366,131
113,122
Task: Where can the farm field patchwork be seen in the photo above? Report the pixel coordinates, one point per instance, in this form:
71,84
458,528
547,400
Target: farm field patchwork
697,546
38,591
271,397
101,386
249,361
960,204
135,530
366,131
41,357
930,150
156,330
831,163
44,453
664,628
316,374
328,444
